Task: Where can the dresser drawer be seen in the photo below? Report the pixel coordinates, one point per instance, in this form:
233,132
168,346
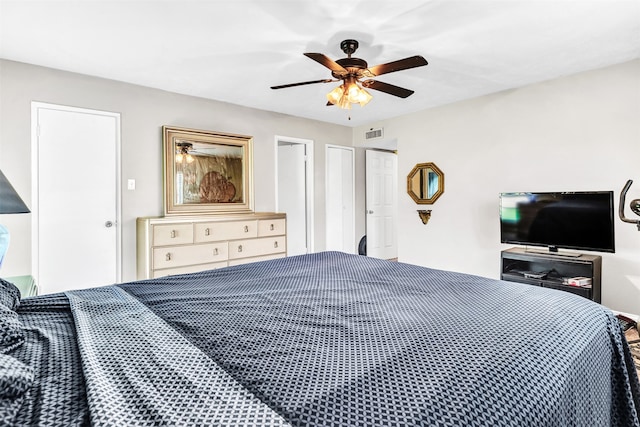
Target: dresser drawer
255,247
271,227
240,261
217,231
178,256
188,269
172,234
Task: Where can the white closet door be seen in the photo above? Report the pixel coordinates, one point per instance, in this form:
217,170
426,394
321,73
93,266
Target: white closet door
382,198
76,214
292,196
340,199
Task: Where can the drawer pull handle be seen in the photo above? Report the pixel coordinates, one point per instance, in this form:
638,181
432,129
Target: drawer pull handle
271,227
275,244
207,231
168,256
239,248
215,251
173,234
246,228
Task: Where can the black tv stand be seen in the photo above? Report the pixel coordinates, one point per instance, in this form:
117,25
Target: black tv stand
551,270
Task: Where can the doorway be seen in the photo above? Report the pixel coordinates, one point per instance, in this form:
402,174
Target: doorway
294,191
76,193
381,203
340,199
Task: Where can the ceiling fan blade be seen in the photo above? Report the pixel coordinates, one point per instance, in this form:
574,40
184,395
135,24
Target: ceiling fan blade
387,88
402,64
303,83
326,61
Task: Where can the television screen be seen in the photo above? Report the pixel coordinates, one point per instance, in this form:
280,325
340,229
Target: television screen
571,220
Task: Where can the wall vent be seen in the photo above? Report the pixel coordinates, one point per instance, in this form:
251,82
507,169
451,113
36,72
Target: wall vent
373,133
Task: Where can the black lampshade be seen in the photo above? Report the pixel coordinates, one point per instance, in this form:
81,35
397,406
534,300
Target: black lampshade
10,202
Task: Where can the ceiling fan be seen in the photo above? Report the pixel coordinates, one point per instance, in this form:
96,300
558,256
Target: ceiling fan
351,70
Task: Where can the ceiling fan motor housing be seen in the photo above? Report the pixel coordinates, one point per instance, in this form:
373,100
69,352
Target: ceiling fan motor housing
354,66
349,46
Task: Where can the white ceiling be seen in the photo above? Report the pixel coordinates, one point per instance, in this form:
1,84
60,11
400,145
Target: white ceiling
234,50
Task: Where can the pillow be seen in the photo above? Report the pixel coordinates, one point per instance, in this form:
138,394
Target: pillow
16,379
11,333
9,295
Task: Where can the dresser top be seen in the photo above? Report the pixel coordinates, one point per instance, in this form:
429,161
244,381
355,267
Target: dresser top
212,217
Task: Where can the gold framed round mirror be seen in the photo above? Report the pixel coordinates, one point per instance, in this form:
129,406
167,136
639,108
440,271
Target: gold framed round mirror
425,183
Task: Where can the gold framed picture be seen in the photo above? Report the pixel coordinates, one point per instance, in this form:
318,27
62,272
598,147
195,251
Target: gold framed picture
206,172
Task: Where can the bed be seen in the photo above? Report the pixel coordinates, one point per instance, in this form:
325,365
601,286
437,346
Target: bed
326,339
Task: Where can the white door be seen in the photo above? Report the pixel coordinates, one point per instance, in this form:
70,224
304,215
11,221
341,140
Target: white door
76,192
295,192
382,197
340,199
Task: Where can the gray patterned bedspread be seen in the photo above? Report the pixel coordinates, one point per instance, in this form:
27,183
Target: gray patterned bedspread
332,339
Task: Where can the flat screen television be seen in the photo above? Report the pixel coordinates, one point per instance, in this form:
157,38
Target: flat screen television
572,220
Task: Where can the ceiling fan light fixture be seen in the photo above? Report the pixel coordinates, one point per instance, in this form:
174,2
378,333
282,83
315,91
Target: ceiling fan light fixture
349,93
182,152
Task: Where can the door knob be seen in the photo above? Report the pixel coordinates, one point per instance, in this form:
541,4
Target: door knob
369,212
108,224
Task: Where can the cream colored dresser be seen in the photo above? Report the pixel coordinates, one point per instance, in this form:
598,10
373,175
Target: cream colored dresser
176,245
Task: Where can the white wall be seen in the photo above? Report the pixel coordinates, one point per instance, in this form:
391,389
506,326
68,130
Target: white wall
580,132
143,111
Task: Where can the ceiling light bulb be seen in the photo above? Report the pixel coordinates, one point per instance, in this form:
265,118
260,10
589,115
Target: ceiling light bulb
179,158
335,95
344,102
353,93
364,97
